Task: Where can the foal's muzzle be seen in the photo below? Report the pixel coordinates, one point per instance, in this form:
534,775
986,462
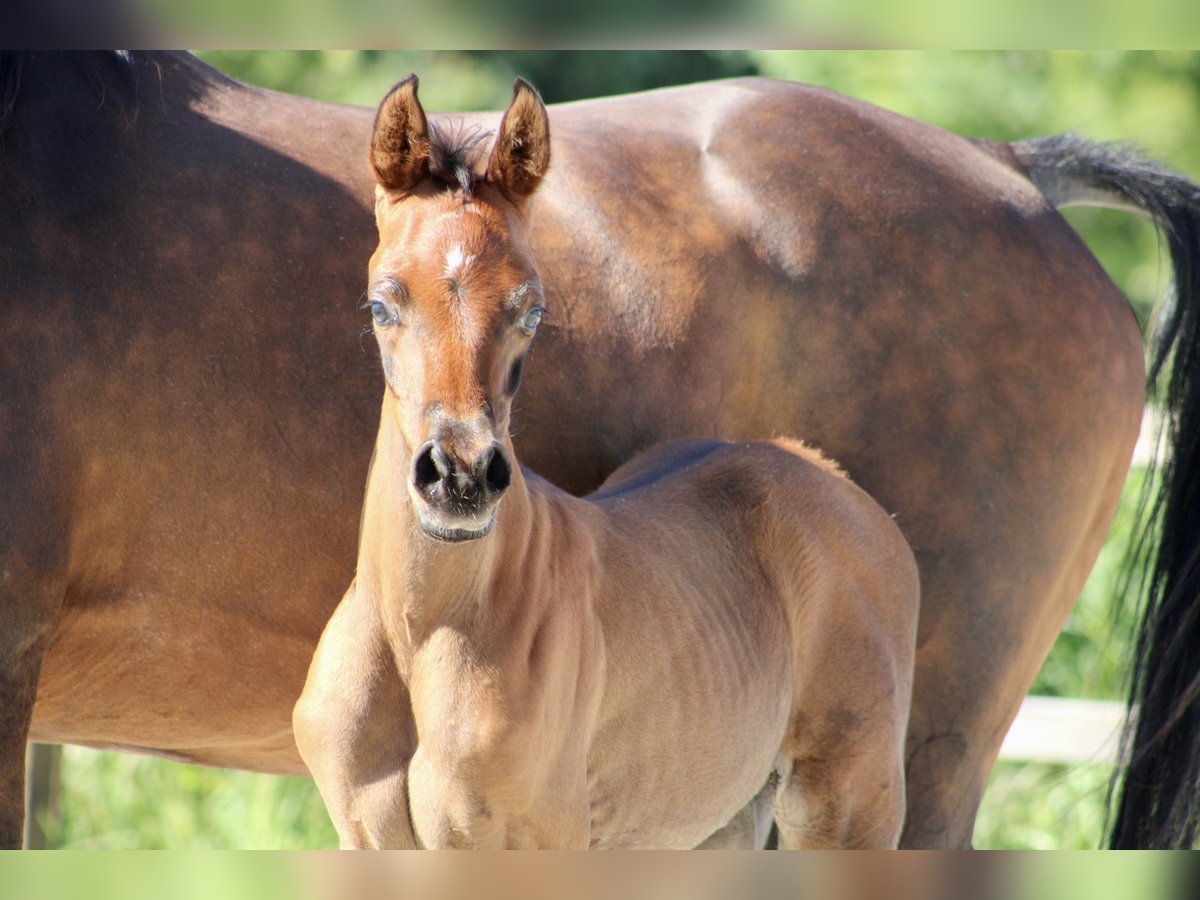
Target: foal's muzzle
459,495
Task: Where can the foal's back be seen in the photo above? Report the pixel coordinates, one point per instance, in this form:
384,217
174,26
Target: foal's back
758,610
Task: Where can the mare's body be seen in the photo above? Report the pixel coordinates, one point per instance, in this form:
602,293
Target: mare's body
186,410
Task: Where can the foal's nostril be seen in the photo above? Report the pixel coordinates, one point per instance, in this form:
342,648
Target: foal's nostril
444,479
431,466
498,474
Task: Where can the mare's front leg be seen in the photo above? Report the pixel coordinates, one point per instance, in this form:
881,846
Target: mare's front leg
20,664
33,564
355,731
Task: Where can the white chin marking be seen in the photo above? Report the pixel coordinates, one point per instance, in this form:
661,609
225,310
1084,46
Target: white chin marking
455,530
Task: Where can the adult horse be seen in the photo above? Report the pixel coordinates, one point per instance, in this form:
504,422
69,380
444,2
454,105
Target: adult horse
181,470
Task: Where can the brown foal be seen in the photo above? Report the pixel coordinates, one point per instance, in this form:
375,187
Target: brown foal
722,631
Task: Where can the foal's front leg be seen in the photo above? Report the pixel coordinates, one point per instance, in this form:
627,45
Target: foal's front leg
354,729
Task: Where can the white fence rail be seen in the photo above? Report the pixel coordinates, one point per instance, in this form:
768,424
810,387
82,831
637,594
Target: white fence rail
1065,730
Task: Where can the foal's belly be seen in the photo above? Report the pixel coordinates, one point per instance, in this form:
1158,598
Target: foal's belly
680,752
673,794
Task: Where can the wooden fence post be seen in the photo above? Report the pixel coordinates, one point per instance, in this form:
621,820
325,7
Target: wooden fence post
42,789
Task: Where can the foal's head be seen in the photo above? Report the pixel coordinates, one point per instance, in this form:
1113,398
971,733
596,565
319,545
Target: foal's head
455,299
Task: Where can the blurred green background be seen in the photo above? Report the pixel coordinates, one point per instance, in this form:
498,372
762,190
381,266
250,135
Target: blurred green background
1149,99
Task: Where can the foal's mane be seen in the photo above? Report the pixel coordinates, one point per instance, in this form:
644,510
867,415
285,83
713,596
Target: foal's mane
455,152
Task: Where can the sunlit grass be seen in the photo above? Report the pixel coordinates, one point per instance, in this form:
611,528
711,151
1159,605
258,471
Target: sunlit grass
119,801
1043,807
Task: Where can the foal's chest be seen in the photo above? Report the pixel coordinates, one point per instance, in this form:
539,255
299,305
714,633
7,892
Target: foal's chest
501,756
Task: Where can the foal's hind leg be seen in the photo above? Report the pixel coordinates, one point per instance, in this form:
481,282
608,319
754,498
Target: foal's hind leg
825,804
843,783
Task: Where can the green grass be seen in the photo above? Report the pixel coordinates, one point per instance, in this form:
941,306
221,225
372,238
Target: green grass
120,801
1031,806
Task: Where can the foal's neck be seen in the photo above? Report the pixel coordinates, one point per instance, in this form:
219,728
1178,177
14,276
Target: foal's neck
423,584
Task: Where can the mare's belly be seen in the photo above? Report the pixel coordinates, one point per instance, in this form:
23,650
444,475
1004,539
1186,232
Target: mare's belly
179,680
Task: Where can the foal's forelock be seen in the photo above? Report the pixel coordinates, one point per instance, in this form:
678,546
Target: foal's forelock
456,152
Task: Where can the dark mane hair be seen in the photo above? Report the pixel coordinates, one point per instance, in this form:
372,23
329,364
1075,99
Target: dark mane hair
113,72
11,66
455,153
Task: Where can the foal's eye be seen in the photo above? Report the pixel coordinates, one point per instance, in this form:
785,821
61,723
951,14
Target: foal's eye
380,313
529,322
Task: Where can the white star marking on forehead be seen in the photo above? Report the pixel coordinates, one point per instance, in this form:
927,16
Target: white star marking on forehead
456,263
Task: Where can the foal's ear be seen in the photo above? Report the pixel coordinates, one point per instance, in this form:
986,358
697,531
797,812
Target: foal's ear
522,151
400,142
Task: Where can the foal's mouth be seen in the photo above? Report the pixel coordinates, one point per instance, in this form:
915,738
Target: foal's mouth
456,531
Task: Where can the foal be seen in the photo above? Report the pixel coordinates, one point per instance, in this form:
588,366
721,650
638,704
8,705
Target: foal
720,632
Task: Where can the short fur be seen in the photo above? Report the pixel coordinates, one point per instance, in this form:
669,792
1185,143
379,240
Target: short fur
721,630
187,412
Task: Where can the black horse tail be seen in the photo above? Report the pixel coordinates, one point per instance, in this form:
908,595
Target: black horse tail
1157,785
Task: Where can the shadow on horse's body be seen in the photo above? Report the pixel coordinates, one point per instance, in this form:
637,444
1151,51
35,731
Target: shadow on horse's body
186,407
722,631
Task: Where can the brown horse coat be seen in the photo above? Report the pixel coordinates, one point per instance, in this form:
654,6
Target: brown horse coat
631,670
719,627
186,410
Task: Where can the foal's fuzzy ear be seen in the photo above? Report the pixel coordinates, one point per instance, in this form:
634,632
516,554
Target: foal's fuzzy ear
522,151
400,142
